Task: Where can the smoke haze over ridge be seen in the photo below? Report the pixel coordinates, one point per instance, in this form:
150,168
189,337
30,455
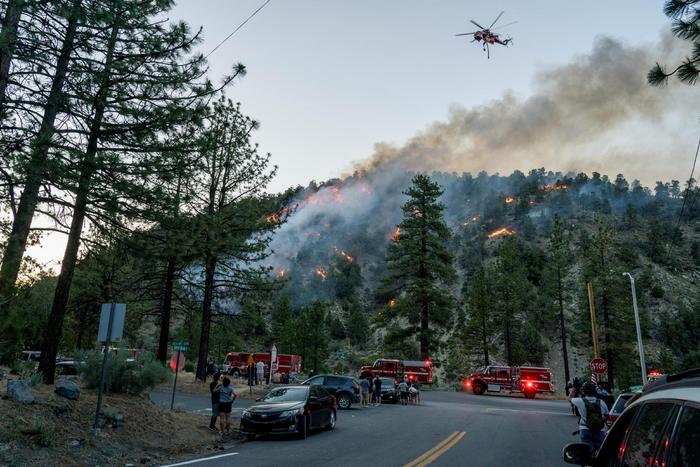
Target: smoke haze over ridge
595,113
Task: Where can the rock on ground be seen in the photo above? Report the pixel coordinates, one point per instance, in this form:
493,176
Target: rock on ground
68,389
19,391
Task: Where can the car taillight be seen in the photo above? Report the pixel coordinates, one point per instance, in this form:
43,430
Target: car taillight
469,383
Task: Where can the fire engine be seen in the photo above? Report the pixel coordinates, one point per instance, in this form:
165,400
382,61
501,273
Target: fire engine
526,379
236,363
414,370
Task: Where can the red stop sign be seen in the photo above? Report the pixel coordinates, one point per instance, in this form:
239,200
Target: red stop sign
175,362
599,365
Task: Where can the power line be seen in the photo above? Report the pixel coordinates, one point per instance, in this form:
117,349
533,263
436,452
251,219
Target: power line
239,27
687,190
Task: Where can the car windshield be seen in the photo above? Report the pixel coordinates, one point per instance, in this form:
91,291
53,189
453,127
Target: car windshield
285,395
387,381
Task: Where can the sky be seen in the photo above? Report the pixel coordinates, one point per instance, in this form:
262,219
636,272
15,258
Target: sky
329,79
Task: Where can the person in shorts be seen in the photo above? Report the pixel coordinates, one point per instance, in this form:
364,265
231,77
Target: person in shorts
403,392
365,385
214,401
226,398
377,391
414,393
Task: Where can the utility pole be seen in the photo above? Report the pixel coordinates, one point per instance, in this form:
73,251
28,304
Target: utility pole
642,363
594,326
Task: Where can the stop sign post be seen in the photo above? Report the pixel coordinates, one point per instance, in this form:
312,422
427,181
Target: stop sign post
599,366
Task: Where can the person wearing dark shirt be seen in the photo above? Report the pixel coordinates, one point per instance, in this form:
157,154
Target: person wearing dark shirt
214,401
377,391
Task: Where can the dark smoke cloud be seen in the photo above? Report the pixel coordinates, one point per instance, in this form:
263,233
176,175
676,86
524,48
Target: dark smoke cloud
595,113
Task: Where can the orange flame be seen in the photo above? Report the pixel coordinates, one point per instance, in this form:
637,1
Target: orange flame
555,187
392,303
471,220
281,273
397,234
509,199
321,272
500,232
274,217
349,258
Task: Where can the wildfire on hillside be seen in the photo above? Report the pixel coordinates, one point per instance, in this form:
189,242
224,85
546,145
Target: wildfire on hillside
501,232
347,257
555,187
397,234
509,199
392,303
320,272
274,217
471,220
281,273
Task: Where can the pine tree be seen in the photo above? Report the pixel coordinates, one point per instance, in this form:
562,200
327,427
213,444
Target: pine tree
559,264
685,17
419,265
479,316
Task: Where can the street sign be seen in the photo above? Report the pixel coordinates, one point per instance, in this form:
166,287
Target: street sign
181,346
342,355
598,365
111,322
273,354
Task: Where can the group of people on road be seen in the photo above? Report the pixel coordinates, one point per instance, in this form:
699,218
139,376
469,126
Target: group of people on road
409,392
371,387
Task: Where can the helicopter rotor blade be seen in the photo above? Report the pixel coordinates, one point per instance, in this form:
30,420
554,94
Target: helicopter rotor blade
497,18
504,26
466,33
476,24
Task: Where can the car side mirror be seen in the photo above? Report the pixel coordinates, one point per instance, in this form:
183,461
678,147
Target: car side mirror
577,453
258,399
313,398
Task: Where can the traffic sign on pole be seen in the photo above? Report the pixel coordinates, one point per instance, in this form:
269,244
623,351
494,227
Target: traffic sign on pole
598,365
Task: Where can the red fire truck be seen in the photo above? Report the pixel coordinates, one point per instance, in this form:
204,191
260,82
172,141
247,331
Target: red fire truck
526,379
236,363
414,370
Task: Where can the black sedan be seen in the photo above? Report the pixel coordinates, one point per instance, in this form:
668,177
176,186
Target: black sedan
290,410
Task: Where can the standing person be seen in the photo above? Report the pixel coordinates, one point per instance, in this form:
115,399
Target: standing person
414,392
260,367
403,392
226,398
377,391
592,414
214,401
364,384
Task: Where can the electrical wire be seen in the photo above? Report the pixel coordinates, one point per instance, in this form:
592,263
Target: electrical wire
239,27
687,190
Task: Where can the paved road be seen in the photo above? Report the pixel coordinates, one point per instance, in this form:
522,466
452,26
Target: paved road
466,429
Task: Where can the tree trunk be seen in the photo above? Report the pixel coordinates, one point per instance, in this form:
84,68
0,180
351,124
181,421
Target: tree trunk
165,311
202,356
49,349
425,303
562,326
509,349
484,338
608,351
8,43
17,240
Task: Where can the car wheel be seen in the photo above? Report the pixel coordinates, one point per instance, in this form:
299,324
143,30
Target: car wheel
479,389
236,372
331,420
303,427
250,436
344,401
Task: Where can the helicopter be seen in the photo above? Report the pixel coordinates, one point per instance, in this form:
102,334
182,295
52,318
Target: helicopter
485,34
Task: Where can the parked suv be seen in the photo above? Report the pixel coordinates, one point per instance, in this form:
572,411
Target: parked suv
658,427
345,389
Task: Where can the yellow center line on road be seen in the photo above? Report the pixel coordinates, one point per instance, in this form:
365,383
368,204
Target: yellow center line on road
436,451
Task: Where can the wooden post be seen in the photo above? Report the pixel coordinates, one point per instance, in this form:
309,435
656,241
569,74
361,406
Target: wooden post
594,326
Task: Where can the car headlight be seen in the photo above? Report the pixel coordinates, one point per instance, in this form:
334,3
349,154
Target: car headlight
245,414
290,413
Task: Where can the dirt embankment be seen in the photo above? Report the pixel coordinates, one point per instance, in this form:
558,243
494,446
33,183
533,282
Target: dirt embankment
187,383
57,431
